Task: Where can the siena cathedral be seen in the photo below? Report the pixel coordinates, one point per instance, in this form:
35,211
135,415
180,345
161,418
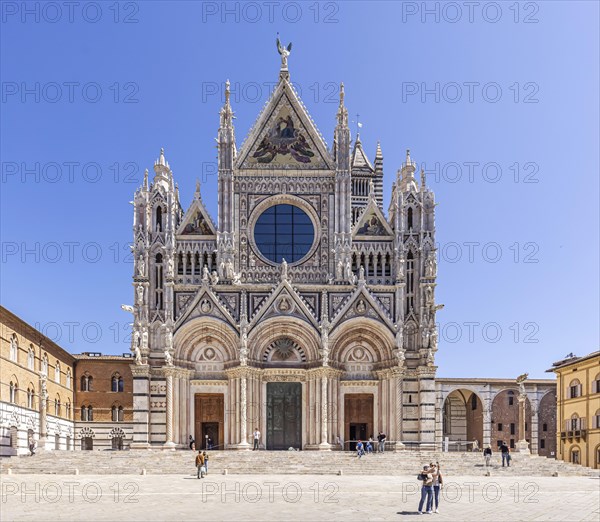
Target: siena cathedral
303,311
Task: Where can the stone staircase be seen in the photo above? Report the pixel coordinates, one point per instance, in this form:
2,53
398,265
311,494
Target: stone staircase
402,463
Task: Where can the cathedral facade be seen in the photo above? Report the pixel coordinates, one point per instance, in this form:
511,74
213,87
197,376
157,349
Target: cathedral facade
303,311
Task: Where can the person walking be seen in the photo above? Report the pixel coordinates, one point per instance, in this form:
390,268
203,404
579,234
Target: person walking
381,442
256,436
192,443
205,455
437,485
426,489
200,464
32,445
487,453
475,445
505,454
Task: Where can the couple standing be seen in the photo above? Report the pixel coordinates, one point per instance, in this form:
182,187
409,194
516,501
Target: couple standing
430,490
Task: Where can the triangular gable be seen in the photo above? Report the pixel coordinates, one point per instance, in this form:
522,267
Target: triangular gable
196,220
372,222
359,158
362,304
205,304
284,135
284,301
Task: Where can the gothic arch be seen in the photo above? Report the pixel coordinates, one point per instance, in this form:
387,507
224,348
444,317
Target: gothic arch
463,417
364,332
505,417
266,332
202,332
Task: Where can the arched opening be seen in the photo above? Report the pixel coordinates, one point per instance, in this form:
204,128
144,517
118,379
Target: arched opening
547,425
463,420
505,419
575,455
159,223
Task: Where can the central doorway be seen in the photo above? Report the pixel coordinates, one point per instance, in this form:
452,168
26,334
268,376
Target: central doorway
358,417
284,415
208,419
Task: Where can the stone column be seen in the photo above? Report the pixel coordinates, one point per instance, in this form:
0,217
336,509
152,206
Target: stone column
534,426
243,444
324,415
487,423
43,413
398,373
141,406
169,444
522,445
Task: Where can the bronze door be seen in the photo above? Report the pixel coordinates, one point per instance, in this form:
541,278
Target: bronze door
284,415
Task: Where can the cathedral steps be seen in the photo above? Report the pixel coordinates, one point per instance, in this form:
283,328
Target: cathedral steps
406,463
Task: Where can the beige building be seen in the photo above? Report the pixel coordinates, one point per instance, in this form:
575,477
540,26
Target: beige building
36,389
578,409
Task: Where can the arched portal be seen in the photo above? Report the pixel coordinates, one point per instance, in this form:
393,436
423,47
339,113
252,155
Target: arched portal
505,419
463,420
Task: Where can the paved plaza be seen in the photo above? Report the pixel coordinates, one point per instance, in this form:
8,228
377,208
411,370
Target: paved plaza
293,497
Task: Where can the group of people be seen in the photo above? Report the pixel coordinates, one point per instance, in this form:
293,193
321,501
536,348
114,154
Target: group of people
504,450
202,463
367,446
431,478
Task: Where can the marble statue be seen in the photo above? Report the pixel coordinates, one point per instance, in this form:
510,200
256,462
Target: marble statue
214,278
284,52
284,270
141,266
205,275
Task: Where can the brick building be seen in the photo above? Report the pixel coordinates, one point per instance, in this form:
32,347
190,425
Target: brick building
103,401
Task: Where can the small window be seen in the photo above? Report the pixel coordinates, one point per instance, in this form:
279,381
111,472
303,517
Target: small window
44,365
68,379
512,443
544,427
574,389
500,426
542,443
57,372
14,348
512,428
30,357
511,400
86,382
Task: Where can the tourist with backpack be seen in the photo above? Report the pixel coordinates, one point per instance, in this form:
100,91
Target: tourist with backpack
200,464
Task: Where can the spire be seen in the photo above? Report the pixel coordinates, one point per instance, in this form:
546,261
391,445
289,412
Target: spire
197,194
162,172
145,180
379,160
226,112
408,181
342,113
423,179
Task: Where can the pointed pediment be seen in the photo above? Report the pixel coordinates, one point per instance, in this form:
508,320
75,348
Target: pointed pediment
196,221
284,136
284,301
362,304
205,304
360,162
372,223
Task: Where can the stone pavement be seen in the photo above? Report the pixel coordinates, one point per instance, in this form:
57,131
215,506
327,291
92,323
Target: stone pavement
290,498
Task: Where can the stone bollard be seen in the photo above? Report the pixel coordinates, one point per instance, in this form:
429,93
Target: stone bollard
76,471
340,472
143,471
225,472
555,474
488,473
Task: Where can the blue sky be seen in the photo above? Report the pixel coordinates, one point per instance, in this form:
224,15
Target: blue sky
501,108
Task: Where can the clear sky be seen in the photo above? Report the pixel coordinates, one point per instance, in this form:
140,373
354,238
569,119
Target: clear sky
498,101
